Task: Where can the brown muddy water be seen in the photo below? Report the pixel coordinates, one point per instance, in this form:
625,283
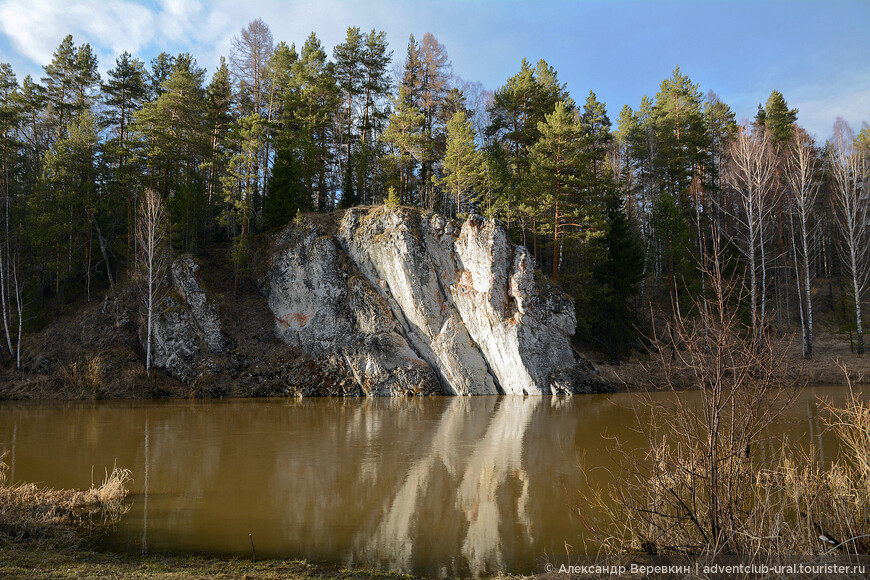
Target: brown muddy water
436,486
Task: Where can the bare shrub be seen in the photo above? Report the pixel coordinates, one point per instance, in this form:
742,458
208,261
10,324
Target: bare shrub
692,489
830,506
701,485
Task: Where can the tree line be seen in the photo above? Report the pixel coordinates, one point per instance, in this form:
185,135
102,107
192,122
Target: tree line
614,215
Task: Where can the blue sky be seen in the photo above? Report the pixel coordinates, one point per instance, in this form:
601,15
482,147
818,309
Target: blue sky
817,53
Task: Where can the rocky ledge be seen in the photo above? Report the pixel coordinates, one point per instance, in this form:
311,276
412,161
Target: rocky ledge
389,302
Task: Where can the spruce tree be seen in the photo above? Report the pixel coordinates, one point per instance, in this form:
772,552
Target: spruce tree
778,118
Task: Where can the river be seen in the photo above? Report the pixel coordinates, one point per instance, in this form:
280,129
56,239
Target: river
437,486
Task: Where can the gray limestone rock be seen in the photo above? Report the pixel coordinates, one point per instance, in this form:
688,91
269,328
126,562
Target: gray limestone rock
185,325
323,306
392,302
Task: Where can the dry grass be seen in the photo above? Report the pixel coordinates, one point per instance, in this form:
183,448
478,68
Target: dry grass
85,375
826,510
60,516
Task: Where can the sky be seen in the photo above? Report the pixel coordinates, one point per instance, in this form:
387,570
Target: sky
817,53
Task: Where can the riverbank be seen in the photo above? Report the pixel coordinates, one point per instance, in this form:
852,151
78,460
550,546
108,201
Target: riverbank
92,350
832,351
81,356
23,561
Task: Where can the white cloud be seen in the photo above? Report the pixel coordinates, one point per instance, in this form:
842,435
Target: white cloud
36,27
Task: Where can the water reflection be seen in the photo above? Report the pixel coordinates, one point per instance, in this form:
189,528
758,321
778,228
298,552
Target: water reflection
449,486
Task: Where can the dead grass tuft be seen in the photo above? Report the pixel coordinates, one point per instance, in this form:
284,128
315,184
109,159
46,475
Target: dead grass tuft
61,517
85,375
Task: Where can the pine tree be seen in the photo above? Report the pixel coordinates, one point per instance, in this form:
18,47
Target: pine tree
219,113
175,139
376,87
310,107
680,166
239,187
69,80
404,133
596,126
123,94
63,208
463,164
162,66
556,167
348,74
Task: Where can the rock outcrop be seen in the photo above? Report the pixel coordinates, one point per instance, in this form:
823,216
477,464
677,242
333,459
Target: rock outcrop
186,324
414,304
376,302
323,307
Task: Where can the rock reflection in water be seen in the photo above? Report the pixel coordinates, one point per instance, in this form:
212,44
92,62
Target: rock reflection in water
477,469
450,486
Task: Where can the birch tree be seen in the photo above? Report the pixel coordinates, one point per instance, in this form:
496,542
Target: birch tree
150,236
751,172
848,169
801,170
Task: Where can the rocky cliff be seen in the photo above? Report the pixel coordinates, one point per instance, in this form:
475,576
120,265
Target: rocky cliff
413,303
365,302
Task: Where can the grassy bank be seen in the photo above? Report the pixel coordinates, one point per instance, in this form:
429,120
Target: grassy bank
40,561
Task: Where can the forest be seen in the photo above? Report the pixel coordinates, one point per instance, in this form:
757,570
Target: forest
621,215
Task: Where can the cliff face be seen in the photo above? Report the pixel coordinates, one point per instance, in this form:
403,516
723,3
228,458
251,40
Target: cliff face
324,308
409,303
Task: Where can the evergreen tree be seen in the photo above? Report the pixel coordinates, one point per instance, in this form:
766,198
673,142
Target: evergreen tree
348,75
309,108
463,164
596,126
404,133
162,66
617,277
427,72
376,88
123,94
63,208
219,115
516,114
556,170
175,140
778,118
239,187
285,195
69,80
681,159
